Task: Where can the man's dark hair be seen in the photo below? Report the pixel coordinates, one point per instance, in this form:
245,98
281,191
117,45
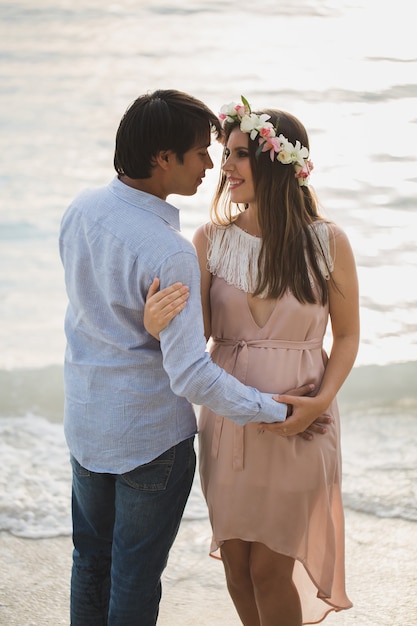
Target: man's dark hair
163,120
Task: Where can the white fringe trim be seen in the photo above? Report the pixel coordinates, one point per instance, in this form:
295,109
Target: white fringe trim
233,254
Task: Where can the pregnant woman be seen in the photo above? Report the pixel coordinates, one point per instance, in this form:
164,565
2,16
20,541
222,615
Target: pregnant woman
273,274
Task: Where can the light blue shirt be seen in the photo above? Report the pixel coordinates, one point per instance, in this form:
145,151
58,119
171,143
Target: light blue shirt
128,397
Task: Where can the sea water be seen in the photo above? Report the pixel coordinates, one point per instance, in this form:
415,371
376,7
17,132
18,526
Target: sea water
69,70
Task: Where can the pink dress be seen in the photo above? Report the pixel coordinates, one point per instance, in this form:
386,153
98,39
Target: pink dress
282,492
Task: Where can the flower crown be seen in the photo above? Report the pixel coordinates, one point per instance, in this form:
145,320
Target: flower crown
279,147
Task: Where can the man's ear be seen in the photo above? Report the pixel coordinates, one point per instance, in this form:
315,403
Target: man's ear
162,158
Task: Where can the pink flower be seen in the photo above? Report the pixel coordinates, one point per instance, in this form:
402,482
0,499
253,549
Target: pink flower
305,170
241,110
267,131
272,144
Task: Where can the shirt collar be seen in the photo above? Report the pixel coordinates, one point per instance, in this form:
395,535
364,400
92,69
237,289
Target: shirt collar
146,201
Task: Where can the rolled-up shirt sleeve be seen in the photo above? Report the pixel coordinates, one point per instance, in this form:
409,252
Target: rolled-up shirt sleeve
191,371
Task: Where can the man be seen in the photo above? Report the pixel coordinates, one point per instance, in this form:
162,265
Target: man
129,420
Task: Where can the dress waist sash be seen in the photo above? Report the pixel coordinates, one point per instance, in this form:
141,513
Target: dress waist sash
237,365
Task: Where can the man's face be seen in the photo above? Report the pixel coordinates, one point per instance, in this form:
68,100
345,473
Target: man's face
185,177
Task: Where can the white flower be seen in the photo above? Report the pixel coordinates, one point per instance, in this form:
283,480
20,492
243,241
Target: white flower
228,111
290,153
254,123
285,154
300,153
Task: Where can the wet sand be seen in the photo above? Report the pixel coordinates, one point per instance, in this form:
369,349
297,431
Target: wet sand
381,568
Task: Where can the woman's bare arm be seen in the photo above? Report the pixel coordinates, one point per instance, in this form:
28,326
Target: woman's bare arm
162,306
344,315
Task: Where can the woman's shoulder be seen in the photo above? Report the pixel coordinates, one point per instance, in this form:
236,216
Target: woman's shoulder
202,232
328,233
332,243
211,231
324,226
207,235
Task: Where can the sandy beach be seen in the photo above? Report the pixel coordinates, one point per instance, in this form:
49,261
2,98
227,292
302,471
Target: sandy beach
381,569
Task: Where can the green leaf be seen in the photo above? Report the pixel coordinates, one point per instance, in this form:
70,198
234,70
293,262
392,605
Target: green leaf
246,103
259,150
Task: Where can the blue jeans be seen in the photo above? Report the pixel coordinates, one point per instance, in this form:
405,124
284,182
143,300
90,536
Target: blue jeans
123,529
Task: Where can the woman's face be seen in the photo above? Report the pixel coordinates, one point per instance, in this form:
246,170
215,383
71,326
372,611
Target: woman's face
237,169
